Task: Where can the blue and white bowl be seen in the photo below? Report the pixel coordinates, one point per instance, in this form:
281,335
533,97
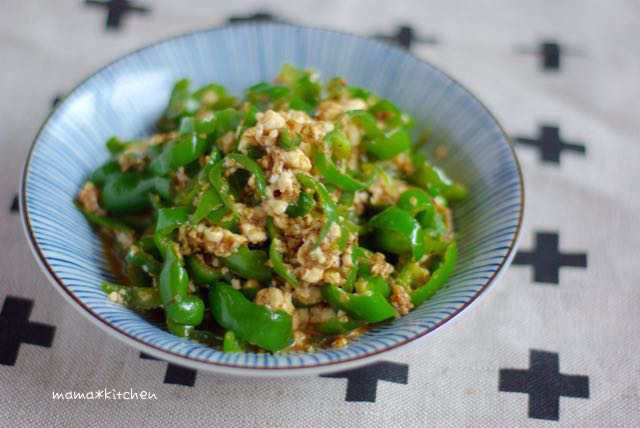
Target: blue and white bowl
126,97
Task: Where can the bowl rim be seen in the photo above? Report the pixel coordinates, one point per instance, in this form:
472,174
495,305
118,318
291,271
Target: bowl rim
225,368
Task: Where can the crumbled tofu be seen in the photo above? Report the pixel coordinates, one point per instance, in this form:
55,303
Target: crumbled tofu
308,295
255,234
400,299
320,313
379,265
209,239
115,297
297,160
89,197
312,275
339,342
275,299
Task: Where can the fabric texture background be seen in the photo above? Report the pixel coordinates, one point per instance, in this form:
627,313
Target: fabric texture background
463,375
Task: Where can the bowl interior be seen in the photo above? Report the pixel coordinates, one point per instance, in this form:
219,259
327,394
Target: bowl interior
127,96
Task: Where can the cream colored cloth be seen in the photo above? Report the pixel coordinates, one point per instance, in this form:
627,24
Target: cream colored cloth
590,319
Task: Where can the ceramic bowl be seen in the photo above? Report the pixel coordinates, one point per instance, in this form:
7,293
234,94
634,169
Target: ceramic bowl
126,97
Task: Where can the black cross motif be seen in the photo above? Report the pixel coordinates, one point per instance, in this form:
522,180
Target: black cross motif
15,329
176,375
14,204
362,383
259,16
550,144
550,52
116,9
547,260
545,384
405,36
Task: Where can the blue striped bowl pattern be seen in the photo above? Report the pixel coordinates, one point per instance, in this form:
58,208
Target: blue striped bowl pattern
125,98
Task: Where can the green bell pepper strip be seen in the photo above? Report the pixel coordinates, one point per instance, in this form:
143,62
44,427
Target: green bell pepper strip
435,180
175,154
142,298
168,219
411,274
189,311
255,169
128,192
209,200
367,122
398,232
330,172
334,327
391,144
438,277
340,144
373,283
115,145
264,92
288,139
216,216
102,221
100,176
173,281
180,330
249,264
220,183
370,306
416,201
231,343
206,337
178,99
256,324
326,203
302,205
145,260
200,272
275,256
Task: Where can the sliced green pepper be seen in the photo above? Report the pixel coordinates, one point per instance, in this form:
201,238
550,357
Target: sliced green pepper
252,166
326,203
146,261
301,206
288,139
231,343
175,154
398,232
256,324
370,306
278,265
249,264
438,277
143,298
129,192
100,176
209,200
334,327
330,172
202,273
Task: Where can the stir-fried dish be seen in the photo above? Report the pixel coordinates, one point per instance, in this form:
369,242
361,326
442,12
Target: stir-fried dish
293,219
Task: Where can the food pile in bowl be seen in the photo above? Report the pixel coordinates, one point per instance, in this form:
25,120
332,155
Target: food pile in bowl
291,220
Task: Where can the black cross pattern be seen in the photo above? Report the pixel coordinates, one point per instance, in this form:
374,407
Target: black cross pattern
260,16
405,36
362,383
544,383
550,54
550,144
16,329
116,9
14,204
547,260
175,374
